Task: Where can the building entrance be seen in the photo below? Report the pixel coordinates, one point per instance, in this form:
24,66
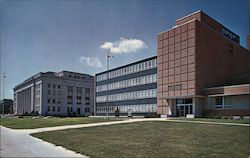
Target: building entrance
184,107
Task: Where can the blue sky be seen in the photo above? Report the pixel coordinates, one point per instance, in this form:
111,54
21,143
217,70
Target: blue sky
54,35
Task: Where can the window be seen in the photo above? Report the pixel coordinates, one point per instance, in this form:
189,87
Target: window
48,100
54,101
48,91
58,86
188,101
149,64
48,85
54,109
48,108
219,102
70,90
87,109
54,86
58,109
78,111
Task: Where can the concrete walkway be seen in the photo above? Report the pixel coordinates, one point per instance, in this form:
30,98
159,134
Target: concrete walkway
15,143
19,143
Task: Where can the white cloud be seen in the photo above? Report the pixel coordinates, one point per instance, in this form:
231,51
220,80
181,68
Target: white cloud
91,61
124,46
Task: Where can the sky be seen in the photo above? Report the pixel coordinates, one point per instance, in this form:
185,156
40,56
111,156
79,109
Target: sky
75,35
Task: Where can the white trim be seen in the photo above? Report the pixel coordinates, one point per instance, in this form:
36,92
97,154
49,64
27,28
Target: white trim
229,94
177,26
198,11
183,97
241,85
26,87
38,82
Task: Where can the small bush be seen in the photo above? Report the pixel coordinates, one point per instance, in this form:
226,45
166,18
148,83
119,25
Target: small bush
152,115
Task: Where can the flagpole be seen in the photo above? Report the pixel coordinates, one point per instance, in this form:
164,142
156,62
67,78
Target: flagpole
107,109
3,90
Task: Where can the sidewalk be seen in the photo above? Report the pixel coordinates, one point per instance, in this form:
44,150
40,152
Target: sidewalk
16,143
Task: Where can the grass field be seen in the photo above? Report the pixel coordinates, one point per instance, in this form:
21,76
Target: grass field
28,123
214,120
155,139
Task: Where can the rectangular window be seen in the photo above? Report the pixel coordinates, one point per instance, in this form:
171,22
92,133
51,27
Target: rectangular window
70,90
219,102
48,85
48,108
149,64
54,109
58,109
87,109
146,65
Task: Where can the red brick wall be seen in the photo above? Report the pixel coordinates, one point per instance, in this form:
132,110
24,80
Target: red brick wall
217,58
242,89
200,16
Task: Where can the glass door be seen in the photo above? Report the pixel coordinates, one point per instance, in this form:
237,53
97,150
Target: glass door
184,107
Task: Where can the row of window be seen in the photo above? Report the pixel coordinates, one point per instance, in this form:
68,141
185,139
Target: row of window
54,101
54,86
54,92
78,91
76,77
128,70
128,83
149,93
69,109
54,109
128,108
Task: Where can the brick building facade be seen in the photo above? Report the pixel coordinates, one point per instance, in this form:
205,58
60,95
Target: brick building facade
196,54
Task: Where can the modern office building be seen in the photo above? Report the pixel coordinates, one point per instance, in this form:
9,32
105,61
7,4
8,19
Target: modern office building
55,93
129,88
202,69
6,106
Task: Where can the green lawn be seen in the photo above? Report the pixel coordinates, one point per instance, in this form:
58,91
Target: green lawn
214,120
155,139
29,123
